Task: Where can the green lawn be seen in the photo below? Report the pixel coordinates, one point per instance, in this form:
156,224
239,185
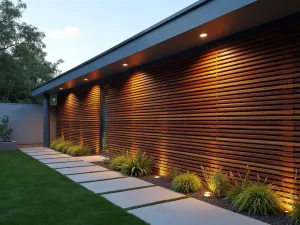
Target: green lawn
31,193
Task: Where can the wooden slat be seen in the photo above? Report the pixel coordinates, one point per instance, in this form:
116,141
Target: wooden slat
78,116
230,106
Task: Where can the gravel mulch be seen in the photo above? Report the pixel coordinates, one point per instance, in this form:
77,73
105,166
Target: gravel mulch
280,219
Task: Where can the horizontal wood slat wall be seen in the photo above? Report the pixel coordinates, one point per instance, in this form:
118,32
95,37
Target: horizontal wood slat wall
234,105
78,116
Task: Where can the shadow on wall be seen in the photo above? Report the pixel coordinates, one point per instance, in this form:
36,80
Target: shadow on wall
26,120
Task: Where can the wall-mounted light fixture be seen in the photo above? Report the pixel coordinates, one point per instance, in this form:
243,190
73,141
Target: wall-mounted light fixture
203,35
85,79
125,64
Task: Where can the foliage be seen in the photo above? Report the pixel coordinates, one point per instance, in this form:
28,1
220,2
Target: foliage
141,165
65,147
5,132
23,63
258,199
295,215
238,184
55,142
79,150
216,181
60,146
117,162
187,182
172,172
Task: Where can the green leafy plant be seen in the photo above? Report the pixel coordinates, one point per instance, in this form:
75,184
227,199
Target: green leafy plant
5,132
56,142
258,199
79,150
117,162
61,145
295,215
216,181
65,147
172,172
141,165
187,182
238,184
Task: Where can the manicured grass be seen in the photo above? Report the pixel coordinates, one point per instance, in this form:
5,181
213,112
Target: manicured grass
31,193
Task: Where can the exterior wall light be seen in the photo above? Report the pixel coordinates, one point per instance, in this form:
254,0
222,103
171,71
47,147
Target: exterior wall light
207,194
85,79
60,88
125,64
203,35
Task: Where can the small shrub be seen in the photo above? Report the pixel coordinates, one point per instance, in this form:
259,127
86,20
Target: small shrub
66,146
258,199
187,182
61,145
141,165
79,150
295,215
216,181
173,172
5,132
55,142
117,162
238,184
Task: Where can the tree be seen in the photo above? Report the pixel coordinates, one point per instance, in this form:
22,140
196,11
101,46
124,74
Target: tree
23,63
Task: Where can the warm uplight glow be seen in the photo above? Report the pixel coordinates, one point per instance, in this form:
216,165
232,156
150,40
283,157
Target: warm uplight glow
85,79
206,194
203,35
125,64
157,177
286,211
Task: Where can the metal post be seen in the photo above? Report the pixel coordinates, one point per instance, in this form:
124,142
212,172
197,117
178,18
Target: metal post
46,120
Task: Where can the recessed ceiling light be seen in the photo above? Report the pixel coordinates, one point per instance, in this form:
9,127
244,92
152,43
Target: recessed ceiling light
203,35
125,64
86,79
60,88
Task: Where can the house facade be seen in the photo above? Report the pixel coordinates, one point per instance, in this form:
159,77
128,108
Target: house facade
216,84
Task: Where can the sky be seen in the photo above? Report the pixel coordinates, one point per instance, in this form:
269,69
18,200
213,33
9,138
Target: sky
77,30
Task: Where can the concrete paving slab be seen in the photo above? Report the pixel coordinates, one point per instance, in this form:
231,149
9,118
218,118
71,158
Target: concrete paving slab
68,164
42,153
143,196
86,177
86,169
35,149
115,185
190,212
71,159
38,151
54,156
92,158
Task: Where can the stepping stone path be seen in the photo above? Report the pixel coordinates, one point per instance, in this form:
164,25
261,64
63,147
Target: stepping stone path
166,206
115,185
142,196
83,169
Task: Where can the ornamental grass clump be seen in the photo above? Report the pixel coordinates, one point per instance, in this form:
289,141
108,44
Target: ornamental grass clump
79,150
187,182
216,181
238,184
141,165
117,162
295,215
56,142
258,199
66,146
61,145
172,172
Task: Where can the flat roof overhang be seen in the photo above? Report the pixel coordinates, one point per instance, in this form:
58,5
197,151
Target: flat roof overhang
180,32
